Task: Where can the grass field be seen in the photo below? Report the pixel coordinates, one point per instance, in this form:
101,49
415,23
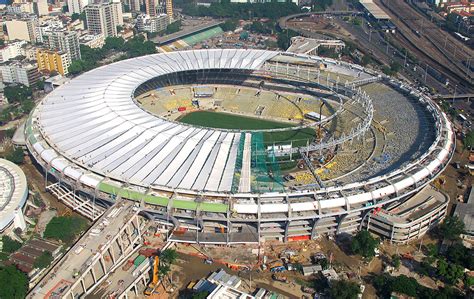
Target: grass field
232,121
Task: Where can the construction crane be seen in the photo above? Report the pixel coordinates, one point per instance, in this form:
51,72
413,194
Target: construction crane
151,288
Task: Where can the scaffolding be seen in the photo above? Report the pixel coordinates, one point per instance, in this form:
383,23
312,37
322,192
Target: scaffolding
266,173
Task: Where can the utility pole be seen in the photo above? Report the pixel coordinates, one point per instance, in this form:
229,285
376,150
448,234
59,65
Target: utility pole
454,94
426,72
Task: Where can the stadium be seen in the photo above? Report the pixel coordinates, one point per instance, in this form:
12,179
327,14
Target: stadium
243,146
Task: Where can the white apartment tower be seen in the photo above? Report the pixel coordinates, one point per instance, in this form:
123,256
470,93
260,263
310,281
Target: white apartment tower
103,18
76,6
64,41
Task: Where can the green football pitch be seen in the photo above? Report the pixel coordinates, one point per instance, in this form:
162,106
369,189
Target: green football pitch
231,121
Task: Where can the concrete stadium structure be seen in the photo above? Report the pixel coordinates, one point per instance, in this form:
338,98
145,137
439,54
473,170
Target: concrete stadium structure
13,195
96,146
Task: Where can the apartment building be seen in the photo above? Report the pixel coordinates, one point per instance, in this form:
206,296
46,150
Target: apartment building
152,24
25,73
53,61
22,29
64,41
12,50
103,18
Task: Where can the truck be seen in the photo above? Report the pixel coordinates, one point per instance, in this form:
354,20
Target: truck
278,269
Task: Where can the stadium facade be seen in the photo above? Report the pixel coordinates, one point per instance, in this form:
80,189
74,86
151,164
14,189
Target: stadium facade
96,145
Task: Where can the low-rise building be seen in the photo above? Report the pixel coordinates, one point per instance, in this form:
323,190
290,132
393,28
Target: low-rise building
12,50
52,61
25,73
465,212
152,24
92,40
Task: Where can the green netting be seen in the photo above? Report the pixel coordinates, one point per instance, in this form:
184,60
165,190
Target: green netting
238,165
162,201
266,174
201,36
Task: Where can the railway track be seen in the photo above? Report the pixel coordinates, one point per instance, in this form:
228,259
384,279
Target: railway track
426,44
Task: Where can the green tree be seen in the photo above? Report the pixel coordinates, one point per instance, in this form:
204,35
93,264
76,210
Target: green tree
64,228
461,255
468,141
27,106
343,289
40,84
76,67
17,93
396,261
44,260
386,284
405,285
113,43
10,245
167,258
451,228
75,16
364,244
173,27
229,25
284,38
451,273
13,282
15,155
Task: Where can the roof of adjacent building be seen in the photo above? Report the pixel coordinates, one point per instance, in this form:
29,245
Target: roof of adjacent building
465,212
13,191
375,10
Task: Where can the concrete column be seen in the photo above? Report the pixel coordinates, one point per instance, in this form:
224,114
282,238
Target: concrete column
286,231
313,229
102,263
112,254
94,277
120,245
83,284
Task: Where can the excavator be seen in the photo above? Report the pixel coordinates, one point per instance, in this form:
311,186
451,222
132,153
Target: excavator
151,289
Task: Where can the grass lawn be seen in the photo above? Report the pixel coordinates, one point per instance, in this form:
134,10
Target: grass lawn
232,121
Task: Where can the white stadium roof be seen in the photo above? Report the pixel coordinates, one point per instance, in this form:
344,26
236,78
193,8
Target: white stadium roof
95,122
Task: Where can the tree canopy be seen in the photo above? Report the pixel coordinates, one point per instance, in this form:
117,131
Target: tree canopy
386,284
271,10
343,289
65,228
451,228
450,272
10,245
229,25
15,155
17,93
13,282
364,244
469,140
167,258
173,27
91,57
